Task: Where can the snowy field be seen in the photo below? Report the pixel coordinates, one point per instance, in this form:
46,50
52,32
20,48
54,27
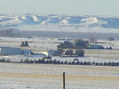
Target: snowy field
36,43
18,58
67,28
40,76
49,76
43,44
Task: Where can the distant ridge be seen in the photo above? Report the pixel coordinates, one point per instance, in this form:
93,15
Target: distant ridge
12,20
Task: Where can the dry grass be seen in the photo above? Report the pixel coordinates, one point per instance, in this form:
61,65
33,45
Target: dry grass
103,51
112,54
59,77
30,75
72,72
84,76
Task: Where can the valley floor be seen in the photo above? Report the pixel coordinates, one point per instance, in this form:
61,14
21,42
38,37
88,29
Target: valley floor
45,76
43,44
41,76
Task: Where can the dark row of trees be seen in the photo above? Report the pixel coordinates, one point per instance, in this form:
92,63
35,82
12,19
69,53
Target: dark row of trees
72,63
10,32
4,60
42,61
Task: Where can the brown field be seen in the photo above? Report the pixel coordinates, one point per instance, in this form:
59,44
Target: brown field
47,75
53,76
102,53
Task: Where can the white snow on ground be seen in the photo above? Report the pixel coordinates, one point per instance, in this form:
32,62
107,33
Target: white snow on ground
83,59
101,24
18,58
66,28
90,20
35,18
63,22
38,76
44,44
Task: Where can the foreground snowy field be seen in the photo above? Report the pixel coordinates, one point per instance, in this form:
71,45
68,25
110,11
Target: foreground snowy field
39,76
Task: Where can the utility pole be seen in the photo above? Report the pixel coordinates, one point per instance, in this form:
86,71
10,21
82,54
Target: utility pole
63,80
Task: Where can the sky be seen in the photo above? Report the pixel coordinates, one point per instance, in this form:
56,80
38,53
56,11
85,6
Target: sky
62,7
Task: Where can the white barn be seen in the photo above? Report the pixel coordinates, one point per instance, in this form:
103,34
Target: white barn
10,51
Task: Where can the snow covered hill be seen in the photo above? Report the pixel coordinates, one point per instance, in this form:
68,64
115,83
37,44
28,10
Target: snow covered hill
12,20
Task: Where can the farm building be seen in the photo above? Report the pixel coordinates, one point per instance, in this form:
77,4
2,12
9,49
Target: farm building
96,46
53,52
10,51
27,52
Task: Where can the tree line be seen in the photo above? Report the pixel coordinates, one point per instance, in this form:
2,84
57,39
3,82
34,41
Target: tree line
42,61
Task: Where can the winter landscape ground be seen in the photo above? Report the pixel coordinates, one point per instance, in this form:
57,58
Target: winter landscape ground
39,76
45,76
45,32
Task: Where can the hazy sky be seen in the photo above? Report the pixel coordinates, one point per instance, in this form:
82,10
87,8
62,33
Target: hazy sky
68,7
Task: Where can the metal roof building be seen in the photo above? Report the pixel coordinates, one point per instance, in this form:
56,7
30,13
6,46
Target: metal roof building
10,51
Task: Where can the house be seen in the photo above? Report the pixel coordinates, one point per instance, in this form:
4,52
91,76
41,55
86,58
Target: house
28,52
53,52
10,51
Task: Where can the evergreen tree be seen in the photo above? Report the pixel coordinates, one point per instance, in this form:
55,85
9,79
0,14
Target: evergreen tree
80,52
80,43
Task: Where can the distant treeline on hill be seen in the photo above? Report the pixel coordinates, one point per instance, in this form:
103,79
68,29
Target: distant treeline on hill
12,32
75,62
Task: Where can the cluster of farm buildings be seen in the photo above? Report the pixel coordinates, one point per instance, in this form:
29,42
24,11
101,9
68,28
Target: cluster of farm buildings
21,51
13,51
